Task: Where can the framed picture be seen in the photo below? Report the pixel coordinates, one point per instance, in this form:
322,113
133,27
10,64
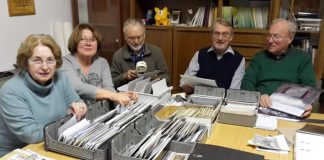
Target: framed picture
175,17
21,7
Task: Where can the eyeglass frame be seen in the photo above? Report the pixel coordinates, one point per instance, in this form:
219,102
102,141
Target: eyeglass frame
86,40
223,34
134,38
276,37
39,61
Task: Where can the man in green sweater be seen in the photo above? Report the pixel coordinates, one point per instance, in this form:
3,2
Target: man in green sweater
279,63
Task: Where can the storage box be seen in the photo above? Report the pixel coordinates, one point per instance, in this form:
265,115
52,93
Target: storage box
240,108
134,133
51,136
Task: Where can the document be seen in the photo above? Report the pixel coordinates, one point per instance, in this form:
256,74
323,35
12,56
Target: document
196,81
293,98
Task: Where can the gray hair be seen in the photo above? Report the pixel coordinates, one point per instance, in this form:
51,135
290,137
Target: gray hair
222,22
292,27
133,22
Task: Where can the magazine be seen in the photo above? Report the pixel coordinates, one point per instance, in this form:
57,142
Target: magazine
293,98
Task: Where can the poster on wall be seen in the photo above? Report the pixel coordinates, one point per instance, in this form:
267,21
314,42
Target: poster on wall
21,7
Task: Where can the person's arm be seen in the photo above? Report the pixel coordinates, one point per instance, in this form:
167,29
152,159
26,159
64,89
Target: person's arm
249,80
116,70
307,75
16,114
238,75
193,67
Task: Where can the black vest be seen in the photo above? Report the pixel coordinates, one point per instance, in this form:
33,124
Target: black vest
221,70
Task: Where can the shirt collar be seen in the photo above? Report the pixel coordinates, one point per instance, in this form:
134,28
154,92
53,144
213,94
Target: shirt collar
229,50
283,55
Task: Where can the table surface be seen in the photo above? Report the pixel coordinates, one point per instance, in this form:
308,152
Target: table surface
230,136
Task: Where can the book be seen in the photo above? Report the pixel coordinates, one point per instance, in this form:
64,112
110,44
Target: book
293,98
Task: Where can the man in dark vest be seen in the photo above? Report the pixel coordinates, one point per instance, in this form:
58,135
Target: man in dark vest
219,62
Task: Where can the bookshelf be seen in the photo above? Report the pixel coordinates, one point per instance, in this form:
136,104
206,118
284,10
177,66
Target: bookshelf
179,43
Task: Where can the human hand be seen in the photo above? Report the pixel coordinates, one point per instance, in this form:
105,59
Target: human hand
308,111
121,98
188,89
130,75
133,96
265,101
78,109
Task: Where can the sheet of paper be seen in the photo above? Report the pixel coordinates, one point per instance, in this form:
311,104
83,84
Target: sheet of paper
266,122
196,81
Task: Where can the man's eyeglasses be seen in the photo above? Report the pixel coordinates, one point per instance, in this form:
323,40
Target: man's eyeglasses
224,34
134,38
275,37
39,61
85,40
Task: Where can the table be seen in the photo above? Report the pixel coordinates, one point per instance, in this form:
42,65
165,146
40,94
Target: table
230,136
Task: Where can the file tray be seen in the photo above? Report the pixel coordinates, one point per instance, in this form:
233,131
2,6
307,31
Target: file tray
208,95
164,94
130,136
52,144
240,108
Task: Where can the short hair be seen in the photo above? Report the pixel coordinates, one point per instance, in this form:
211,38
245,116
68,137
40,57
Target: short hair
133,22
76,37
222,22
26,49
292,27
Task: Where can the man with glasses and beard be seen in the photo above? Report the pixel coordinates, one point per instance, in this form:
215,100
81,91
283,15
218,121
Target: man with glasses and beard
279,63
124,61
219,61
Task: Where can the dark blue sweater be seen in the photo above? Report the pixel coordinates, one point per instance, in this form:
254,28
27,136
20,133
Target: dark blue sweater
222,70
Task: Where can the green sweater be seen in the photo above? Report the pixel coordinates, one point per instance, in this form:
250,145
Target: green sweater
265,73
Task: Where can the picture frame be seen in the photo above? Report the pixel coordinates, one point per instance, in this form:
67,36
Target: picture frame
21,7
175,17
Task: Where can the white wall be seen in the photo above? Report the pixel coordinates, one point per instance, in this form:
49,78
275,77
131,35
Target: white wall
15,29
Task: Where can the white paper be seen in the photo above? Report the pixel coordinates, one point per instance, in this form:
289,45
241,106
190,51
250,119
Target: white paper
266,122
196,81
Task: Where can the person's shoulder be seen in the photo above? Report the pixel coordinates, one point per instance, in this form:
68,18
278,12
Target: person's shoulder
152,47
298,52
119,53
12,85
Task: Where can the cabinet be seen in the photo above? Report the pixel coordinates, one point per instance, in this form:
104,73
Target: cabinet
179,43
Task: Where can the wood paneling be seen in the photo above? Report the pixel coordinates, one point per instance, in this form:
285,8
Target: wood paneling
185,44
161,37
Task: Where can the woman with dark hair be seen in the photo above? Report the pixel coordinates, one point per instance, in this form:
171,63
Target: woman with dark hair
36,96
89,73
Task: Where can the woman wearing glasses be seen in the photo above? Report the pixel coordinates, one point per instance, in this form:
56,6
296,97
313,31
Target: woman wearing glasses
36,96
89,73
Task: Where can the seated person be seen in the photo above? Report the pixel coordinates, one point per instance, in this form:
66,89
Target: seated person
36,96
89,73
279,63
124,61
219,62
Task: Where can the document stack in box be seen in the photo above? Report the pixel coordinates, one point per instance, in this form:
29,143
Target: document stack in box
240,108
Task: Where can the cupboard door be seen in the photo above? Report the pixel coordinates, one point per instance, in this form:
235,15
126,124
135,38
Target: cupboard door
161,37
108,17
185,44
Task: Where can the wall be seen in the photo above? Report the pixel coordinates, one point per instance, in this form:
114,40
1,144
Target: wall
15,29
